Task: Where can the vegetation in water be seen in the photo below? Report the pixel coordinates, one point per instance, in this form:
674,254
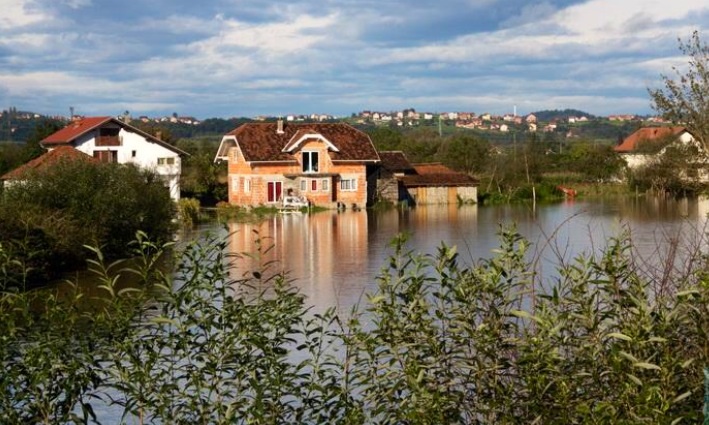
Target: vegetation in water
604,341
47,218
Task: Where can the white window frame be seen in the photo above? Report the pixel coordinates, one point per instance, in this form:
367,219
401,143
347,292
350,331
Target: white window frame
235,184
313,185
311,169
303,185
348,185
325,185
247,185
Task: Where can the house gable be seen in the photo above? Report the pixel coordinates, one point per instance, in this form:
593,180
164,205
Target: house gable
652,135
305,135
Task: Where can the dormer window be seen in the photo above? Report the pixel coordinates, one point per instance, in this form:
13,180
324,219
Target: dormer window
310,162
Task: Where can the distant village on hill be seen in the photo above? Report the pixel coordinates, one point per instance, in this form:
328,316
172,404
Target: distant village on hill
16,125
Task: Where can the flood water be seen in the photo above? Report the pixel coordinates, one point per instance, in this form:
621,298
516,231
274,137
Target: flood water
334,257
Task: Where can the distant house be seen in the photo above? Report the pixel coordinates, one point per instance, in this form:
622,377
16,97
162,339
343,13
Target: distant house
111,140
44,162
531,118
330,164
637,149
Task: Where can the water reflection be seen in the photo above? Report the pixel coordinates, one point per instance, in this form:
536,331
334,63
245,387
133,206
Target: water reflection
335,257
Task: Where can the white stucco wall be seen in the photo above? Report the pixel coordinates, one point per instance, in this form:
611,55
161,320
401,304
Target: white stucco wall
146,156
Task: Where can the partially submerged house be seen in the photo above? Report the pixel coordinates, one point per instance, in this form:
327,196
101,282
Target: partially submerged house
435,183
108,139
648,143
329,164
419,184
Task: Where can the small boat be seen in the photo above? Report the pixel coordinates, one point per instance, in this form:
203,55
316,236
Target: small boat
293,203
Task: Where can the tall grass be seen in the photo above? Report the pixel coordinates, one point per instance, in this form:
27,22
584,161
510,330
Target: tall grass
438,342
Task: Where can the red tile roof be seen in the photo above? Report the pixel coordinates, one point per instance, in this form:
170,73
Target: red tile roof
78,128
260,142
648,134
396,162
75,129
47,160
436,174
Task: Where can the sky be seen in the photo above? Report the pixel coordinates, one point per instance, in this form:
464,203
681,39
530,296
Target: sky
242,58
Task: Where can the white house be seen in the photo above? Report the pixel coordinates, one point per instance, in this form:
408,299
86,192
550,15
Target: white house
112,140
630,149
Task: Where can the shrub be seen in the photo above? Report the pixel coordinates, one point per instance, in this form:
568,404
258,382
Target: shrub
47,218
188,209
438,342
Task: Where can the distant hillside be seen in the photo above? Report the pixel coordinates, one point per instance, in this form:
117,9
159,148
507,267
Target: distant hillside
556,114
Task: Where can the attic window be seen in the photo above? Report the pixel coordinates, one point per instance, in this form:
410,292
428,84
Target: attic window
310,162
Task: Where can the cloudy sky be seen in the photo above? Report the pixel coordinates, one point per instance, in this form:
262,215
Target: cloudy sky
224,58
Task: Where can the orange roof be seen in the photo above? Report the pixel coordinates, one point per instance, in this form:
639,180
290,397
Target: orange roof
645,134
60,153
437,174
75,129
79,127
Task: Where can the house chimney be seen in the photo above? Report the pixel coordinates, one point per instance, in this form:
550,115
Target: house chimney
279,127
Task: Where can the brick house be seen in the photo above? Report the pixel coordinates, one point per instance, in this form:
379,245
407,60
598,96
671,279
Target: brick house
330,164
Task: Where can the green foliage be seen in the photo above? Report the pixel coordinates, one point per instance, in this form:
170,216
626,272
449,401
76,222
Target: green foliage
465,153
188,211
438,342
201,178
594,162
46,219
684,99
676,170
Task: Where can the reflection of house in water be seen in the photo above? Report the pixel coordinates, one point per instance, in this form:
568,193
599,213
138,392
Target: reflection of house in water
319,251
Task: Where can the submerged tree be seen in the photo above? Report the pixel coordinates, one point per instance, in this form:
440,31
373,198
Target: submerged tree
685,97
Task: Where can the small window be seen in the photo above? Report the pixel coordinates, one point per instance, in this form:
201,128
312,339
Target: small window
234,184
303,185
166,161
247,185
325,185
133,154
314,185
348,185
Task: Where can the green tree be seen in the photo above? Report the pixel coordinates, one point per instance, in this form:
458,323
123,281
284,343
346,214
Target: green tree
466,152
48,218
42,130
684,99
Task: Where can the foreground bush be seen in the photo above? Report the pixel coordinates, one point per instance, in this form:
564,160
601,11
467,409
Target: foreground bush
439,342
46,219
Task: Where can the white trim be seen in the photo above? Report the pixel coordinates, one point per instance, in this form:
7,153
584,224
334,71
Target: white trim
291,147
224,156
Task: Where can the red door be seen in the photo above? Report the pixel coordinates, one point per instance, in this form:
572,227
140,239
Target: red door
274,191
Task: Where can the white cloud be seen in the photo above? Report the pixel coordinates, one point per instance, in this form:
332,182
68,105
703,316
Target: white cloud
19,13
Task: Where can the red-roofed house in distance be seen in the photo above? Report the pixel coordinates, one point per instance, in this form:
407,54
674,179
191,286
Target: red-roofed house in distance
44,162
111,140
329,164
648,142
